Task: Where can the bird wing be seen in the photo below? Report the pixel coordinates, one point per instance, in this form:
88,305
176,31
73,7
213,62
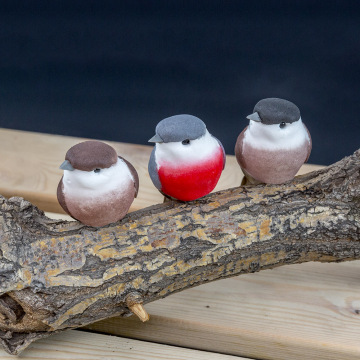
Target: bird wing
153,172
133,173
61,197
239,147
310,144
223,150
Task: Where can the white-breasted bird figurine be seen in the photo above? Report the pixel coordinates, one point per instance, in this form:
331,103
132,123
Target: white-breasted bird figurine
276,143
98,186
187,161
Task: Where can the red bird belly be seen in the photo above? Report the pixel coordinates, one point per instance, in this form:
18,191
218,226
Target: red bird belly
189,182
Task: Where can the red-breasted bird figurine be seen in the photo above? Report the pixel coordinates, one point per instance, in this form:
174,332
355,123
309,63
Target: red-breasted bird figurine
276,143
98,186
187,161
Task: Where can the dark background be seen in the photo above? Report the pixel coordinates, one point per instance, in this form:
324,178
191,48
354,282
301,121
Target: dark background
113,69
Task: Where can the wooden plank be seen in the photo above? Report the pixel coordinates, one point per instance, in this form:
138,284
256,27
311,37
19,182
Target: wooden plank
294,312
307,311
83,345
310,310
29,167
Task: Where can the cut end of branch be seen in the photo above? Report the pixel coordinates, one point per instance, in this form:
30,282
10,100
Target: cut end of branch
134,303
140,312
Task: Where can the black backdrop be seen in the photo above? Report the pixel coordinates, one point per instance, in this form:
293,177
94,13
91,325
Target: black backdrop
113,69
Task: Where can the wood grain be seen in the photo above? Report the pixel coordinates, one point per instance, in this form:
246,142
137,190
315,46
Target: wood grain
307,311
83,345
29,167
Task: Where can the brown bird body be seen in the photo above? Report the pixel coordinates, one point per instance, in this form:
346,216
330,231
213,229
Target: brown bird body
275,145
270,166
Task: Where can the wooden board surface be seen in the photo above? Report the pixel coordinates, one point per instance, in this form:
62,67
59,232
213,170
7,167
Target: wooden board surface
302,311
306,311
82,345
29,167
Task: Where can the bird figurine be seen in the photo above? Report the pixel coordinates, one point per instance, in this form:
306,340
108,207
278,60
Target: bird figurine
98,186
276,143
187,161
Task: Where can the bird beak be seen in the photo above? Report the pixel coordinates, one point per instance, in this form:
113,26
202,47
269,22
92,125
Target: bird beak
66,166
254,117
156,139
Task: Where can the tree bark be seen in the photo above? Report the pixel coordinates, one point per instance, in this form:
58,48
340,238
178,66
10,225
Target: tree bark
57,275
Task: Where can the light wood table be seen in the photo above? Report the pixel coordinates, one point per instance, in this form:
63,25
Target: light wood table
306,311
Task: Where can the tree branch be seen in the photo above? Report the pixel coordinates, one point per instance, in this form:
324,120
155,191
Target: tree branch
57,275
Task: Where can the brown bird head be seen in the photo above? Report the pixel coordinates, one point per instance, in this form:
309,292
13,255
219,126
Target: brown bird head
89,155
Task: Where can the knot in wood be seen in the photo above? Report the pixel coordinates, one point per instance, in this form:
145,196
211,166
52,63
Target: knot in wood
133,298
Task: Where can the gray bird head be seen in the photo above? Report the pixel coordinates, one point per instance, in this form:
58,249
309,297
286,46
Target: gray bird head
179,128
275,111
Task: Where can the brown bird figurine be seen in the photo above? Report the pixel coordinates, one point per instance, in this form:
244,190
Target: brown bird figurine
276,143
98,186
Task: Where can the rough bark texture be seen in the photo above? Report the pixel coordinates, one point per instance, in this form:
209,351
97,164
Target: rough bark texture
57,275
